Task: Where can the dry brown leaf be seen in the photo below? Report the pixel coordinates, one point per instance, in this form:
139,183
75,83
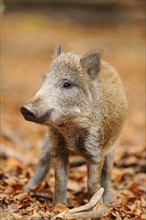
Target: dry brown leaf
35,214
29,209
11,162
24,205
116,175
118,215
68,216
12,181
21,196
61,208
17,216
143,217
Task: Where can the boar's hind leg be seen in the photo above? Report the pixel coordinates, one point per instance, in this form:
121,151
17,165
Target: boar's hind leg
106,175
43,166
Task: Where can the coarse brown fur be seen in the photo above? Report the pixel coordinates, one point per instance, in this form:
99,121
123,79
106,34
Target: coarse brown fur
84,119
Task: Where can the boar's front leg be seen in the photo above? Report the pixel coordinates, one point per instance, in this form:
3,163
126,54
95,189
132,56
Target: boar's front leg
60,162
43,166
94,176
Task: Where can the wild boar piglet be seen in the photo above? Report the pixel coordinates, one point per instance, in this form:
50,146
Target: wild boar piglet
82,103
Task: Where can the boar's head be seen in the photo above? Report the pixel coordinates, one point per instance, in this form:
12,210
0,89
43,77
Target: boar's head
66,90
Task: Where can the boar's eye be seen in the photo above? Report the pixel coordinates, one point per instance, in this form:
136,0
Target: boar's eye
67,85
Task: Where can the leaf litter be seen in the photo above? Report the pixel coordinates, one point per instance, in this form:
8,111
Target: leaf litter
20,143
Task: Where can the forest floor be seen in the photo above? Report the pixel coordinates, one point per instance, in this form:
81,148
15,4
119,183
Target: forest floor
28,40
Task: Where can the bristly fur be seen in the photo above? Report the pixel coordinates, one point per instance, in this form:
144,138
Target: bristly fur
86,118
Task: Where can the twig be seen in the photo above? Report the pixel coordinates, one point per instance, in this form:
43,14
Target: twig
93,201
86,211
92,214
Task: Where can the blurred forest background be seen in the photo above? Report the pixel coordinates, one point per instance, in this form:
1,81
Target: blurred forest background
29,33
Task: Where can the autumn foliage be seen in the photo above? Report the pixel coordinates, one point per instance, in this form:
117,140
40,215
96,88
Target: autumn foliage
28,39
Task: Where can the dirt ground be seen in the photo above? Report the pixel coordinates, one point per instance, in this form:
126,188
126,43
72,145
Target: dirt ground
28,40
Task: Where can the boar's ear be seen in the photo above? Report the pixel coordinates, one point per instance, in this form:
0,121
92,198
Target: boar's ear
57,50
90,63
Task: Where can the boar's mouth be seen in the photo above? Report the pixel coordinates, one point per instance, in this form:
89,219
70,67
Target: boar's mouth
31,116
43,118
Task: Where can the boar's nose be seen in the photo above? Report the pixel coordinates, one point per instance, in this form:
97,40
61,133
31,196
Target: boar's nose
28,115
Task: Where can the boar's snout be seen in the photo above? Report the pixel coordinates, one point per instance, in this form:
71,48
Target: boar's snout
28,115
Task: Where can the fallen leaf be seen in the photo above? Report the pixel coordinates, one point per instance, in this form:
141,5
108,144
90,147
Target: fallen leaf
35,214
21,196
17,216
12,181
61,208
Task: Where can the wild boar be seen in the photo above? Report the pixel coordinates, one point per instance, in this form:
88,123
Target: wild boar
82,103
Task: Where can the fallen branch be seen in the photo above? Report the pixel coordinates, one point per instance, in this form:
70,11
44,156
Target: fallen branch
91,215
86,211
